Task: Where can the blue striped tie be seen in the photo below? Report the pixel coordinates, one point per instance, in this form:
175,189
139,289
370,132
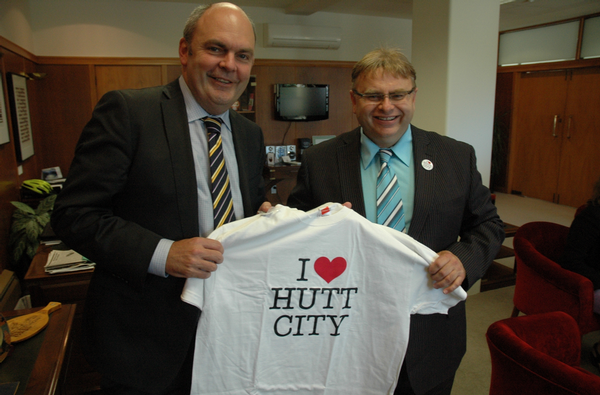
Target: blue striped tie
390,211
220,188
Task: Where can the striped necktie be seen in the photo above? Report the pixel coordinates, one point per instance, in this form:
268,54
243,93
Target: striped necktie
220,188
389,200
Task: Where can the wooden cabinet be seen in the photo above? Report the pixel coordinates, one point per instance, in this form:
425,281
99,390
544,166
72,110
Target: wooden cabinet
555,135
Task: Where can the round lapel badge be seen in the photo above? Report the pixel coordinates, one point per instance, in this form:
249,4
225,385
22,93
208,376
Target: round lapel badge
427,164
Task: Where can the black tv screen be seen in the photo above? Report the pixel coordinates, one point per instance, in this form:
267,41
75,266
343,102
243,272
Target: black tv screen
301,102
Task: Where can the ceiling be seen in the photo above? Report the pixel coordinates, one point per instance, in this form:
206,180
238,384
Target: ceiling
513,13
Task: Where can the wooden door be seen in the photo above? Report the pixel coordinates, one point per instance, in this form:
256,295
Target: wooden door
580,155
537,127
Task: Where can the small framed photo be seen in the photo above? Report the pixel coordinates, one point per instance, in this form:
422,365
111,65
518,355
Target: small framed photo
21,118
51,174
4,132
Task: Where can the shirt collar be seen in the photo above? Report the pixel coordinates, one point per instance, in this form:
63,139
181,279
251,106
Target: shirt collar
402,149
195,111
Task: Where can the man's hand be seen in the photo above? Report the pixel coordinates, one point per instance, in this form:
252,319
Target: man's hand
264,207
195,257
447,272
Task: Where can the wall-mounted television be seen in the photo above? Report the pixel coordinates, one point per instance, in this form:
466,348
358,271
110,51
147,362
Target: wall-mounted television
301,102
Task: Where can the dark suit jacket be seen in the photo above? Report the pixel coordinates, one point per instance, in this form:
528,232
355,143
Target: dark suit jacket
452,211
132,182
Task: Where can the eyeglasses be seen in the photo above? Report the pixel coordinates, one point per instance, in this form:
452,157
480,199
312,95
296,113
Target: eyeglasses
375,98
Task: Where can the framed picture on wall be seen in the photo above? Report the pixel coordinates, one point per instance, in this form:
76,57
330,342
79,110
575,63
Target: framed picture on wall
21,118
4,133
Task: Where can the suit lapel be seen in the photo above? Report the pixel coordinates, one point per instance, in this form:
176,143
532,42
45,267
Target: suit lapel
180,146
424,181
348,156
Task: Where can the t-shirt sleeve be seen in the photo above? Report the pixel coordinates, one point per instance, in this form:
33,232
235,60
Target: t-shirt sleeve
425,298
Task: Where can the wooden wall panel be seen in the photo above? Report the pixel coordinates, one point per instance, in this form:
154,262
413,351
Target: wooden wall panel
66,97
9,179
173,72
8,184
32,167
126,77
340,119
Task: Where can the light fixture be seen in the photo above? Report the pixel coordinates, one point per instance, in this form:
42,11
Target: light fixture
33,76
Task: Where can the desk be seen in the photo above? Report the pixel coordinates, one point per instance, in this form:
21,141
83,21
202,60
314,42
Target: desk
283,177
63,287
499,275
53,351
67,288
510,230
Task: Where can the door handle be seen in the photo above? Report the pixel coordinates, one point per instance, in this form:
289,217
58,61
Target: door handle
556,120
569,126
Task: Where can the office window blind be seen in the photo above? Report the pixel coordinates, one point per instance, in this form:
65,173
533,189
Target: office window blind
544,44
590,45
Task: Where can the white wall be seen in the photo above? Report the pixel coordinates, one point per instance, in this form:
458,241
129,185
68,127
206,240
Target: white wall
118,28
472,81
456,71
15,23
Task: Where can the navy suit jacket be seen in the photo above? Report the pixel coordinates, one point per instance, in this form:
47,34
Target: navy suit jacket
452,211
131,183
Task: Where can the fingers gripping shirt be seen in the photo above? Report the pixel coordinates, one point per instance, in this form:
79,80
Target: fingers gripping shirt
314,302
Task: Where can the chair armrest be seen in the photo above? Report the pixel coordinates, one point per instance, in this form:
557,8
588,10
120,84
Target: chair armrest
563,279
551,336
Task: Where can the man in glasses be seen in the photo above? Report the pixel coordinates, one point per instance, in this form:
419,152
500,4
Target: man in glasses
443,204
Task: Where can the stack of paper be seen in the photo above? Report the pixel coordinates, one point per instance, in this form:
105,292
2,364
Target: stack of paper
48,237
64,261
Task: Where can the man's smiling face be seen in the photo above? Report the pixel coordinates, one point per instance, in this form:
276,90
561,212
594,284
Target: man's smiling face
385,122
218,61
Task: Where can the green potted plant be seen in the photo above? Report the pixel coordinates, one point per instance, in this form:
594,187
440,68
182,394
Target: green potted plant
27,226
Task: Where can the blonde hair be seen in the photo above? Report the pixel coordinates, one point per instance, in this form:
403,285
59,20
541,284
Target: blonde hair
390,60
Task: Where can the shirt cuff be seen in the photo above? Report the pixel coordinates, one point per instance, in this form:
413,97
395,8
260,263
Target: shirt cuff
158,263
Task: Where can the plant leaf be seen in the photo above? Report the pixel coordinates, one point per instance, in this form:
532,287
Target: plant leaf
21,214
43,219
46,205
23,207
18,250
33,230
32,249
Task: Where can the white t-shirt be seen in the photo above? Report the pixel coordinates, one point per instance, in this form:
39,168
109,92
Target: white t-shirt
314,302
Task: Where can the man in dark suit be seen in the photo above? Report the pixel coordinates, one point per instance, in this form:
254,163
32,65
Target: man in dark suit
137,202
445,205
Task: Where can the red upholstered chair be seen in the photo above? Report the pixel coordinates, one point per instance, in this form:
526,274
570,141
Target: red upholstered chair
538,354
542,285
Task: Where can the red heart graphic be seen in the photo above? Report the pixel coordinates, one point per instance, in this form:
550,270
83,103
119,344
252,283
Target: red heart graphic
329,270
